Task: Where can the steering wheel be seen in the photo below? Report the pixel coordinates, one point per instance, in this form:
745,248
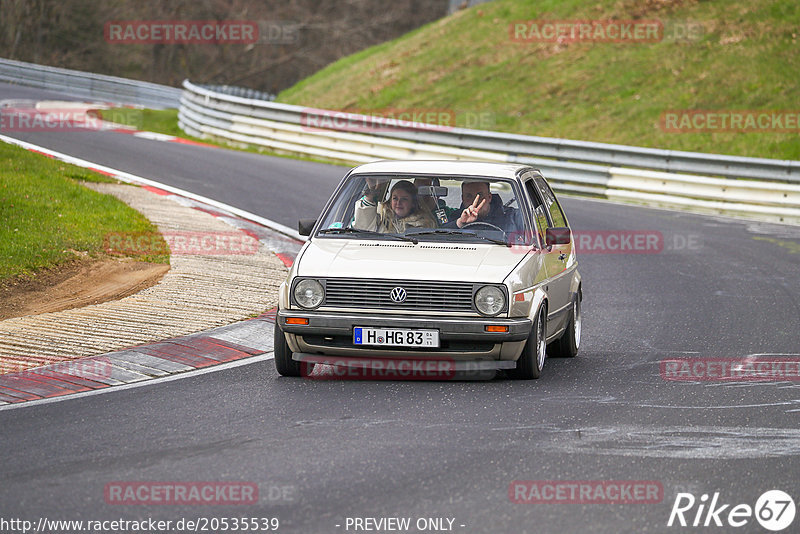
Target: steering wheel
482,223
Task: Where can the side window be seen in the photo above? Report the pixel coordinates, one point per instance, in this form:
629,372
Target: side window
539,217
556,215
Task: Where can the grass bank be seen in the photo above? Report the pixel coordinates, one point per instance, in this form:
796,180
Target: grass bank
152,120
49,218
739,56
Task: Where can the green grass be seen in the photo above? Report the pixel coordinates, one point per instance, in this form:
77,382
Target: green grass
747,58
49,218
152,120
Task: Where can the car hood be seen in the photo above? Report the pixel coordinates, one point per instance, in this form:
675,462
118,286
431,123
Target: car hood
400,260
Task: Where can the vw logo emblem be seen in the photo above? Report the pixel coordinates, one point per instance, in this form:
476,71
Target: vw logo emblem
398,295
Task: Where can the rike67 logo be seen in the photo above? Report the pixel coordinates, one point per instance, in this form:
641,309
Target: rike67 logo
774,510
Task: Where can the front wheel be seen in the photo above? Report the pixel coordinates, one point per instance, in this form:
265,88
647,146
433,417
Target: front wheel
531,362
284,363
570,341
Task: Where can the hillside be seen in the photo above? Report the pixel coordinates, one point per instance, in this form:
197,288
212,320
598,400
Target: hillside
741,56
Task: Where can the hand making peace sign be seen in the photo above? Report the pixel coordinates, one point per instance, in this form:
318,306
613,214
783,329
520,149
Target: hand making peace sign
470,214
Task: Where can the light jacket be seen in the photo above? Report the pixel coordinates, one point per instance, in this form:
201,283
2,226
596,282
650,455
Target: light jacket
382,219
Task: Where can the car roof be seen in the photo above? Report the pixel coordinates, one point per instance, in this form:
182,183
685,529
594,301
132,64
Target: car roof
458,168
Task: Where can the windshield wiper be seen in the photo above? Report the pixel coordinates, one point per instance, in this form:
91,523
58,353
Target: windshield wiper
460,232
365,232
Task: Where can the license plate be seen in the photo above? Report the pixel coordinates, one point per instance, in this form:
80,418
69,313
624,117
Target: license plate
397,337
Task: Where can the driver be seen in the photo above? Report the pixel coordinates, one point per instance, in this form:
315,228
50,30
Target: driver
479,205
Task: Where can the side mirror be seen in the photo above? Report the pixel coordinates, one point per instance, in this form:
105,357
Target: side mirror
304,226
557,236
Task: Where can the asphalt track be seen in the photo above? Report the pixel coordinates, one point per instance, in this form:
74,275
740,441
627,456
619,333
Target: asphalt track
324,451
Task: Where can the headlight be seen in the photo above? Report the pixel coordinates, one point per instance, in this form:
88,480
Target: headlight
490,300
309,293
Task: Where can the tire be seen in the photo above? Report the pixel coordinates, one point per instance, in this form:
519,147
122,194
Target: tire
284,363
570,341
531,362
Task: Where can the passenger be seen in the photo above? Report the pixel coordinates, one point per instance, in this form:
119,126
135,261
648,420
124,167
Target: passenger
401,211
478,204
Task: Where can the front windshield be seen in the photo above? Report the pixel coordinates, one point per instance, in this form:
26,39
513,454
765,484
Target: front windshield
428,208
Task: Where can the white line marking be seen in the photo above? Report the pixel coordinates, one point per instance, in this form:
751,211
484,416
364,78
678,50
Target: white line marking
736,406
772,354
170,378
154,136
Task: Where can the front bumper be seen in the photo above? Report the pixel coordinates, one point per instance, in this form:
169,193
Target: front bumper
374,367
460,338
462,329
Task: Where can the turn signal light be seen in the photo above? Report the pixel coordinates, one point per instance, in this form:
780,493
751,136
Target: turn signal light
496,328
296,320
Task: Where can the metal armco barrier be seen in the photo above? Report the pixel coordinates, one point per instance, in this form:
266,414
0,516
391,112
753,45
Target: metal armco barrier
88,85
757,188
239,91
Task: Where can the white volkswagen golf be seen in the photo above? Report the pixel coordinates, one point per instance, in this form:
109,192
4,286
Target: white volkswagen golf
433,267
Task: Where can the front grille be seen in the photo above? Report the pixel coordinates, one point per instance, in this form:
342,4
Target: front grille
420,295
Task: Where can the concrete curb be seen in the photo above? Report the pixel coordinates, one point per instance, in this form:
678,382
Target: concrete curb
145,362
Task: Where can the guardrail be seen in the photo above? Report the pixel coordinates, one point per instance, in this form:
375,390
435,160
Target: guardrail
754,187
89,85
244,92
